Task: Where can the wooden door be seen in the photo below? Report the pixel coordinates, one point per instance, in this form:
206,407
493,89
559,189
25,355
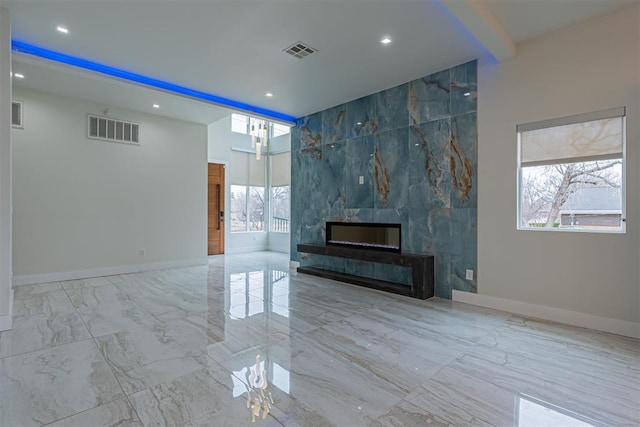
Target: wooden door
215,211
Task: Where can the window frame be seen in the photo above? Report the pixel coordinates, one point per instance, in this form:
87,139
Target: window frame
568,120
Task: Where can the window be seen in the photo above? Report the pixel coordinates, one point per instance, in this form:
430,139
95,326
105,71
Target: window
256,208
279,130
240,123
280,192
571,173
247,177
238,208
280,208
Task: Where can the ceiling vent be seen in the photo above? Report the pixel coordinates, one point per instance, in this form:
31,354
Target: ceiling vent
299,50
113,130
17,118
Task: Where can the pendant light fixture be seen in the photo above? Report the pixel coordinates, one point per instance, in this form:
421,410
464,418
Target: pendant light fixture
259,135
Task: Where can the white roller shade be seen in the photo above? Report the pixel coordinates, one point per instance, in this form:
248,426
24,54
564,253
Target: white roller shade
589,139
257,171
246,170
239,167
281,169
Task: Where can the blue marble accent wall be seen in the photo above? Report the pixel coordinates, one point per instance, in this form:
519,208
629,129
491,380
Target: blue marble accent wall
416,146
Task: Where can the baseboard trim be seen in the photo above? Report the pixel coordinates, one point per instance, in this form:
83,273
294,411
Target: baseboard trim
294,264
574,318
246,250
31,279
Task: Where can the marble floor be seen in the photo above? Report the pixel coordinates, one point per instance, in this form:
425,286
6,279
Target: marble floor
246,339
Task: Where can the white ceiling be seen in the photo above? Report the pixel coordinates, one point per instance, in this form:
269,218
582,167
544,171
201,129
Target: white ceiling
234,48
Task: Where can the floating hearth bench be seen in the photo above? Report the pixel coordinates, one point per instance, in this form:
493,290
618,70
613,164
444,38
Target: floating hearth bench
422,270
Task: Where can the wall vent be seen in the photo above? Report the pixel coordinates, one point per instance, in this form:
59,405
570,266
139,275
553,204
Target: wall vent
17,117
299,50
113,130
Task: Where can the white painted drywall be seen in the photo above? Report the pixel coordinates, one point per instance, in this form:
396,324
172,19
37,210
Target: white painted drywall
5,170
83,204
589,67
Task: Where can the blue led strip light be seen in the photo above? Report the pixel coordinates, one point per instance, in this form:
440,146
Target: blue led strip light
30,49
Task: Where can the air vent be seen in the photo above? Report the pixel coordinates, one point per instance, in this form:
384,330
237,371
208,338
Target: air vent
16,115
113,130
299,50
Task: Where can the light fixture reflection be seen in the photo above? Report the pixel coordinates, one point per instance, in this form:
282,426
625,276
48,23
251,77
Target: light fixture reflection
259,401
532,412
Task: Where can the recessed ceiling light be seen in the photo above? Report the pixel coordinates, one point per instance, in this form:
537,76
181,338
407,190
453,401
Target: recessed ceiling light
156,106
268,94
61,29
385,40
18,75
467,94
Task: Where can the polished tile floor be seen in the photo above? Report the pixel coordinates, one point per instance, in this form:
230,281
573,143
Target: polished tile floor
245,339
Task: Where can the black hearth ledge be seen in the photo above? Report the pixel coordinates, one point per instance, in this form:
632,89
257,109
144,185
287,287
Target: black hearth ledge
422,269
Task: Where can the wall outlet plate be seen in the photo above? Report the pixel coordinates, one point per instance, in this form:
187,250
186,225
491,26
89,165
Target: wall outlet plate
469,274
361,180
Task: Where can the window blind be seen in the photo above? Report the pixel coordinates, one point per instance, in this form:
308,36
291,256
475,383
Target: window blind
587,137
281,169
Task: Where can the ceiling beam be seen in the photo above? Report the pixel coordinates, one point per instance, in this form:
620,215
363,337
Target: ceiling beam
478,20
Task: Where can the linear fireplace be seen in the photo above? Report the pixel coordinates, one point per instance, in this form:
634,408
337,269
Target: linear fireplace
364,235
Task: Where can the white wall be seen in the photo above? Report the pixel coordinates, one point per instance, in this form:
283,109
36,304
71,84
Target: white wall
82,204
5,170
586,68
220,141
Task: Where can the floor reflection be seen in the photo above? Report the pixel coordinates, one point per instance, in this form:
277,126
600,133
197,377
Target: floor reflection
532,412
322,352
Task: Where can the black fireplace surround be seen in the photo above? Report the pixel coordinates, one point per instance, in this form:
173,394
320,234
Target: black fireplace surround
375,243
364,235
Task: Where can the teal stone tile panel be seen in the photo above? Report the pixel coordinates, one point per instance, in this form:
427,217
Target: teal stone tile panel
429,98
333,186
295,138
391,175
430,233
334,124
312,226
359,215
464,88
310,128
442,284
463,161
464,243
361,117
359,163
428,163
308,180
392,110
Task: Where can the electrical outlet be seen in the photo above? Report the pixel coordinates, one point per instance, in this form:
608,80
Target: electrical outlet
361,180
469,274
142,252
